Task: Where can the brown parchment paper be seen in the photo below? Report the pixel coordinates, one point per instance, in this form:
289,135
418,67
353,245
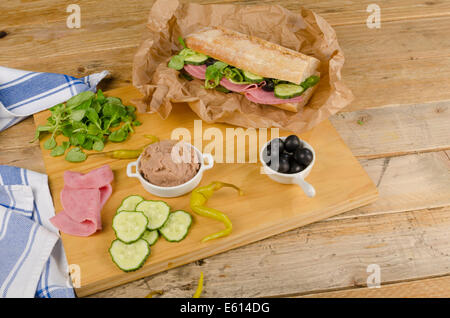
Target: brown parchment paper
304,31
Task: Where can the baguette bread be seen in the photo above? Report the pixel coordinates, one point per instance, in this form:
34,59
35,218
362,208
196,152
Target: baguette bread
253,54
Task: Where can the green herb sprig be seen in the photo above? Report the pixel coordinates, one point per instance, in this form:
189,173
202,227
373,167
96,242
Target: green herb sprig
88,120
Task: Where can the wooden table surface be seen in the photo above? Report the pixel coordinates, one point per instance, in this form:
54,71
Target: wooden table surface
398,127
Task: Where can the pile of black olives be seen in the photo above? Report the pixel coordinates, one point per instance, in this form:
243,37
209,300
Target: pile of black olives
288,156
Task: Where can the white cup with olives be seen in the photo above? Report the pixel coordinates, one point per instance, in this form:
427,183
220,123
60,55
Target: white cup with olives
289,160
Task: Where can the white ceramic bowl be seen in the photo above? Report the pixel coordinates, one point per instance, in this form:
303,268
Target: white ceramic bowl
294,178
175,191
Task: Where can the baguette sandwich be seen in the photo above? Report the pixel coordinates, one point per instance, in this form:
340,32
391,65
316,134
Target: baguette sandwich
266,73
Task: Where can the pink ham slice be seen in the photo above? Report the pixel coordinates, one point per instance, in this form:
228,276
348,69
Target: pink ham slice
83,201
105,193
197,71
66,224
84,205
95,179
253,92
260,96
237,88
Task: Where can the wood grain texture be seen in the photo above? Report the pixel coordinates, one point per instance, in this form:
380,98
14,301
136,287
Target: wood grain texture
406,183
394,131
16,149
17,12
385,66
341,185
327,255
438,287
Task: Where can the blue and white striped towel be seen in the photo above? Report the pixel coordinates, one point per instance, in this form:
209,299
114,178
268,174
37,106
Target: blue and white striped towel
24,93
32,258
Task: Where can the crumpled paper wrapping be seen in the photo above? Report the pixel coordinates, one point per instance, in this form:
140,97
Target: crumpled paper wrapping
304,31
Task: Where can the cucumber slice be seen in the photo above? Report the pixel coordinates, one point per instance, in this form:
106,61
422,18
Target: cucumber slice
129,226
130,203
196,59
129,257
151,236
177,226
286,91
252,78
157,213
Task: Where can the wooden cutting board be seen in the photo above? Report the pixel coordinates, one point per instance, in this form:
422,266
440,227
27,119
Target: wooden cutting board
266,209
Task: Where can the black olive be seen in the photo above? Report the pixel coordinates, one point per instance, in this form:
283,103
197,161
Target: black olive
295,167
291,143
210,61
286,155
303,156
270,85
277,145
283,166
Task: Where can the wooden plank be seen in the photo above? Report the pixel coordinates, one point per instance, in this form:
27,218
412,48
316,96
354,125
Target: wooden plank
405,183
383,67
16,149
116,61
393,131
16,12
394,41
354,11
340,182
56,39
389,66
319,257
394,83
438,287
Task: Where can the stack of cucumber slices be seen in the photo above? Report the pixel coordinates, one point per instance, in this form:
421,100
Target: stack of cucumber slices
138,224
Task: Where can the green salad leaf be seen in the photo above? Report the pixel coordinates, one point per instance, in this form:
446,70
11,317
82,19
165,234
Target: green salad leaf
234,74
181,40
50,143
98,145
176,62
76,155
60,150
214,73
79,99
87,120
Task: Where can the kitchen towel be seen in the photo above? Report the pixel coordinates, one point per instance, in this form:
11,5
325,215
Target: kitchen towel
23,93
32,258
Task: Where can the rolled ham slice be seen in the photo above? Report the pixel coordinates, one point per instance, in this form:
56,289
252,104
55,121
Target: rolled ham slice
83,204
260,96
105,193
237,88
197,71
83,198
95,179
66,224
